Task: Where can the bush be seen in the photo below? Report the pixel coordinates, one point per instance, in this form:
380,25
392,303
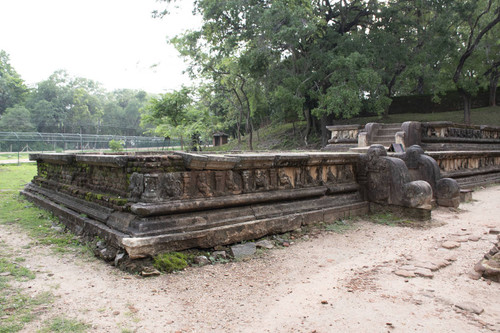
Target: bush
116,146
170,262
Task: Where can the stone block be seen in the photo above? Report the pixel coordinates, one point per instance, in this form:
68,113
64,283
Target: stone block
241,251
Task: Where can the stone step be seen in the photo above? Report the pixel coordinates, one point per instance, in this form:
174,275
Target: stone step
363,150
181,223
392,125
383,143
388,131
384,138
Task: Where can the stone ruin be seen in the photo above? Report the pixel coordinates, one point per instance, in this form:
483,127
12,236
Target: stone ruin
147,203
489,266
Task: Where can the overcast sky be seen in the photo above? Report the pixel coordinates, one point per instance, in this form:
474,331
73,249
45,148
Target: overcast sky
115,42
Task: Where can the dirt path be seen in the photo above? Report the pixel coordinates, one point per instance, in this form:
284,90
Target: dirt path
331,282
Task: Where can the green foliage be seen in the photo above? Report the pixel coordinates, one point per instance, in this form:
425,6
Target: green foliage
116,146
12,88
170,262
16,118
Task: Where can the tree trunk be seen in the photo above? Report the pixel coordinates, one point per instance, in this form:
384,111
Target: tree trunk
493,89
467,97
324,132
307,115
250,139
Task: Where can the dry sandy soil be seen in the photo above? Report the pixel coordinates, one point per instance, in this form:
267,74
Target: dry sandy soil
330,282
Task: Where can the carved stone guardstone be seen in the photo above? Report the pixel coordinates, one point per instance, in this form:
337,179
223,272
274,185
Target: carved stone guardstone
386,180
446,191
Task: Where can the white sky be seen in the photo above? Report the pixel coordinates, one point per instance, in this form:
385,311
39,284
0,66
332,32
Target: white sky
114,42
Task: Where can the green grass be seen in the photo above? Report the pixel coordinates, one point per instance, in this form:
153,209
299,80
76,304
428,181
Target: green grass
389,219
13,156
17,307
14,177
66,325
39,224
339,226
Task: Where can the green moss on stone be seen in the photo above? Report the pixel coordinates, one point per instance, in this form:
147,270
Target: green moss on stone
170,262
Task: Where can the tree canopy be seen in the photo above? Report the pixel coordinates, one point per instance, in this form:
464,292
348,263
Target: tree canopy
261,61
319,60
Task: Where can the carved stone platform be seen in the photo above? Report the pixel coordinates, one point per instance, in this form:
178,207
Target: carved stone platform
150,203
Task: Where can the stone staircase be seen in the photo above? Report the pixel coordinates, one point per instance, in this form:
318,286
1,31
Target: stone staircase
383,134
386,134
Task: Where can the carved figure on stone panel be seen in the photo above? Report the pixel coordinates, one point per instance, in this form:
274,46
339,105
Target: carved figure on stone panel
170,185
150,192
298,178
136,186
202,184
231,182
246,177
284,180
261,180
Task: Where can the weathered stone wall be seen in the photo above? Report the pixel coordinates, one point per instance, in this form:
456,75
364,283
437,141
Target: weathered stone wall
152,202
147,203
469,168
431,136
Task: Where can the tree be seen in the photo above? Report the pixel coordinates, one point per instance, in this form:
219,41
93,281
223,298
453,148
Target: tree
491,51
170,114
16,119
486,15
12,88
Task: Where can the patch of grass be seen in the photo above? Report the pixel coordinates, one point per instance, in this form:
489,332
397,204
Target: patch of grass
339,226
13,156
389,219
16,306
39,224
170,262
63,324
14,269
15,177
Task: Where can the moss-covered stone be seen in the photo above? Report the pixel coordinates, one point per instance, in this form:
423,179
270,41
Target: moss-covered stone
170,262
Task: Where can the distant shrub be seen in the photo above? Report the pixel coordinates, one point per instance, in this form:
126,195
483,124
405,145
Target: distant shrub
116,146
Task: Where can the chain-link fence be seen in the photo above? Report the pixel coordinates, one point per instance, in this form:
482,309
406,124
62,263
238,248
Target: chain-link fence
60,142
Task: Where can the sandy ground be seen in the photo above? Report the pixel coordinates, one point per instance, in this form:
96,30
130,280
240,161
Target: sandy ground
328,283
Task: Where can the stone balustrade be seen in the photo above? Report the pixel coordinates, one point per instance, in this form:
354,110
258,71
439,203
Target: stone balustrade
469,168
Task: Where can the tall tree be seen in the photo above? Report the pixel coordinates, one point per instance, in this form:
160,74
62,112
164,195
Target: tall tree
12,88
478,18
16,119
170,114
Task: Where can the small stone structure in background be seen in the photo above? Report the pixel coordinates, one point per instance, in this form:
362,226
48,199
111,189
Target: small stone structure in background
219,139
